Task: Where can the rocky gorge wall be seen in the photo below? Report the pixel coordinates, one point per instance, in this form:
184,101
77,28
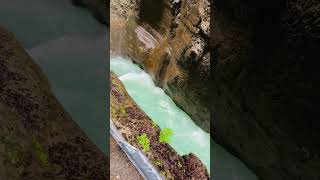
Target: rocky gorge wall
263,88
170,40
259,85
38,138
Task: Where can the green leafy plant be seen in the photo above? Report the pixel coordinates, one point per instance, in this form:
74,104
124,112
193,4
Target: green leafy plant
113,111
123,110
165,135
144,141
40,152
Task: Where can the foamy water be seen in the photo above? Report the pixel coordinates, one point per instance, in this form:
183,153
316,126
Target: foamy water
188,137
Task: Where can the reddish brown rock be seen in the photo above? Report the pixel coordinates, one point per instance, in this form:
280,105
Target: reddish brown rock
169,39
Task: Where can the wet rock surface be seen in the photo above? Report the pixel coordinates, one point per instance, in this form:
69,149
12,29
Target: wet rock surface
38,139
132,122
169,39
264,85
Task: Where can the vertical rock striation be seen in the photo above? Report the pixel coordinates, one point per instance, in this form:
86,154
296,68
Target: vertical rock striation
170,40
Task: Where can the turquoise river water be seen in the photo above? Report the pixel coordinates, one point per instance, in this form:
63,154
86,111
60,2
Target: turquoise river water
188,137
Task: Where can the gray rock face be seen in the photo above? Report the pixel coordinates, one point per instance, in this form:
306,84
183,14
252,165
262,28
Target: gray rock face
264,85
99,8
38,139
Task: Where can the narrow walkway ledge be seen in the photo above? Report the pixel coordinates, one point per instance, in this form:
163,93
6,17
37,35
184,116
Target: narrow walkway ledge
138,159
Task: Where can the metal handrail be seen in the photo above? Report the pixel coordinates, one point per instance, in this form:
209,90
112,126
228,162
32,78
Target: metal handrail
138,159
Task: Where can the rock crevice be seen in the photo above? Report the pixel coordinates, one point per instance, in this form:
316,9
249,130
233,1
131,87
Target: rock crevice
179,59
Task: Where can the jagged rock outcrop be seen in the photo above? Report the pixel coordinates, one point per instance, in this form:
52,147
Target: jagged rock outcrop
99,8
38,139
264,85
169,39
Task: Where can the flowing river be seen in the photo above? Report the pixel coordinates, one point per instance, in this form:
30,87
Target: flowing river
70,46
188,137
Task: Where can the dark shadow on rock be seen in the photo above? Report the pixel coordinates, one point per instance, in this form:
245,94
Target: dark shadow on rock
264,85
100,9
151,11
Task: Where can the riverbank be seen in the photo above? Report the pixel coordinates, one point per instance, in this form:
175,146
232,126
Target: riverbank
132,122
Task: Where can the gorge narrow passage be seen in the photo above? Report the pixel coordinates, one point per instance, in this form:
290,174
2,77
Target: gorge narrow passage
187,136
163,110
70,46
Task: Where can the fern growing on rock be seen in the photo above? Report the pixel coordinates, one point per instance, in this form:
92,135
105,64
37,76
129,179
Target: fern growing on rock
165,135
144,141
